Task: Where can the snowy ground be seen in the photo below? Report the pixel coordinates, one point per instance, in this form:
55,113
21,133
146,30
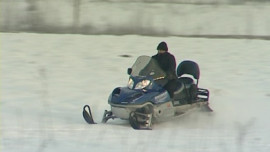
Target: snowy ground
46,79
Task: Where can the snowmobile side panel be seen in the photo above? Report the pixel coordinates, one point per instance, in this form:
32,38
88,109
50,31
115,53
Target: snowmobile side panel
123,111
163,111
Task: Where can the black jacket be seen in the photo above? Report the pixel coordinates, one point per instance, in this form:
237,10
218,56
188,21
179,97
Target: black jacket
167,63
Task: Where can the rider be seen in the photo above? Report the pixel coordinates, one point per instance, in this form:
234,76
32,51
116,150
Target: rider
167,63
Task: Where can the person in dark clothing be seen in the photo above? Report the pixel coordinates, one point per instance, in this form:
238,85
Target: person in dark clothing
167,63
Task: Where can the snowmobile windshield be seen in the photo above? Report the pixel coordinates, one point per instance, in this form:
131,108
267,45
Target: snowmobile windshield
147,66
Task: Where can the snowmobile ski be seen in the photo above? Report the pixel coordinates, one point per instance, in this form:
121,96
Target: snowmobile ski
87,115
107,115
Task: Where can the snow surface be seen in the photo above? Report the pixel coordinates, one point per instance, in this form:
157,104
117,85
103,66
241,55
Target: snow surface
46,79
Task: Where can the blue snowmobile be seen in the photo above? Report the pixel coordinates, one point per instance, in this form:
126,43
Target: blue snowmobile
144,100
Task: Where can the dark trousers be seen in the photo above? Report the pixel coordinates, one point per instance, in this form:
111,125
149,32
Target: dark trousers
171,87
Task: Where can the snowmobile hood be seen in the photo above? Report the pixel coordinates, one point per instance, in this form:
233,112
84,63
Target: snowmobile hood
145,84
126,96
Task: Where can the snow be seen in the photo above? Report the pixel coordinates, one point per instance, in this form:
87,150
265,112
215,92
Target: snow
46,79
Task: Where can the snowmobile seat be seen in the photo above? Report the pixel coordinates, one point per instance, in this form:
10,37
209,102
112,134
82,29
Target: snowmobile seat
187,81
190,68
179,87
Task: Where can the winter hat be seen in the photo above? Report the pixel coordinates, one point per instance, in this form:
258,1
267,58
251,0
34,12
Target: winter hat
162,46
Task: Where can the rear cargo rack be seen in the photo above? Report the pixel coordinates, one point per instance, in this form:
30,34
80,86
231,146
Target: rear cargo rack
203,94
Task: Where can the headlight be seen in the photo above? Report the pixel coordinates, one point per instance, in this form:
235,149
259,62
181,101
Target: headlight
142,84
130,83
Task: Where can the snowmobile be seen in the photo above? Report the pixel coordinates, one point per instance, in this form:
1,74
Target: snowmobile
144,100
